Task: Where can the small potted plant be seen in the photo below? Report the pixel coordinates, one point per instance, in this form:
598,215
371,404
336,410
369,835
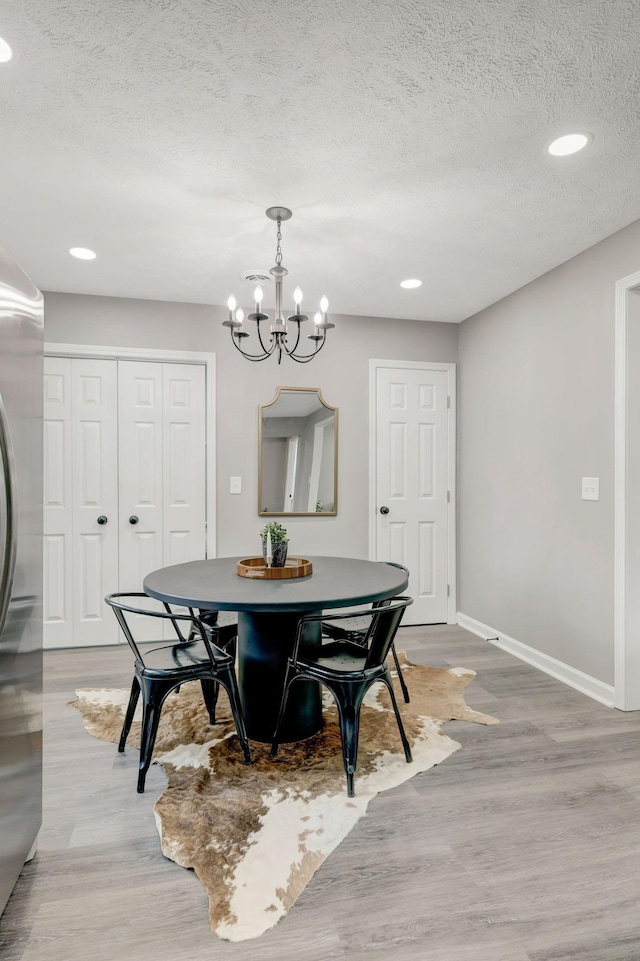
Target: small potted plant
274,544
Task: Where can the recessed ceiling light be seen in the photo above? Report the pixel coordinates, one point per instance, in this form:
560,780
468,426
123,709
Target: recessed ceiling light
410,284
570,143
82,253
5,51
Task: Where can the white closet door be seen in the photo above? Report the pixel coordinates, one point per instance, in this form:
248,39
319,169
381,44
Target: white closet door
140,400
80,486
95,499
162,431
58,504
183,456
124,486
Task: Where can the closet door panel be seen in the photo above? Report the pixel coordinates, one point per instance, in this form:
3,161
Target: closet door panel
140,399
184,457
58,504
95,499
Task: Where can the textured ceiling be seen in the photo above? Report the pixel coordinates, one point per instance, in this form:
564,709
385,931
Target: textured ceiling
406,135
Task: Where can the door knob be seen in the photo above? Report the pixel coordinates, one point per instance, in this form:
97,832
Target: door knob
102,519
384,510
133,519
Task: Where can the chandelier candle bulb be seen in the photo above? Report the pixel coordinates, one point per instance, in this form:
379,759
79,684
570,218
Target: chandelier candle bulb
257,296
239,330
234,323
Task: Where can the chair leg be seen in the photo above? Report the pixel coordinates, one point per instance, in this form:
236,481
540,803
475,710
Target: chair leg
405,692
210,691
288,678
349,700
227,677
154,694
128,718
386,679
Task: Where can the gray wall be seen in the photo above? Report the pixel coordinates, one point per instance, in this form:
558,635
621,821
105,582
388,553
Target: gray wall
341,371
536,380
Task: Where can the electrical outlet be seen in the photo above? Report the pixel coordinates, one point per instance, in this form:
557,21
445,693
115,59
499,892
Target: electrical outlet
590,488
235,485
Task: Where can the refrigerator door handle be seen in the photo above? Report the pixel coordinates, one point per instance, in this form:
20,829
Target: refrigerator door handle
8,514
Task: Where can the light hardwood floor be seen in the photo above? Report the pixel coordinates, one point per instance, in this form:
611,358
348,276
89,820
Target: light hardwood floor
523,846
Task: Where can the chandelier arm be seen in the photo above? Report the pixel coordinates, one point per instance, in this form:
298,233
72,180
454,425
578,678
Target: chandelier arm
305,358
268,350
245,354
295,346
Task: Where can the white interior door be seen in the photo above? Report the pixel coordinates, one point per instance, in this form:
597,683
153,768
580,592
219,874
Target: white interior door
124,485
184,463
58,504
293,444
81,501
94,387
140,419
162,453
413,484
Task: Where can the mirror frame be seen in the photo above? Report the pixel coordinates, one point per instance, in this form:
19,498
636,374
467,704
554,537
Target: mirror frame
283,513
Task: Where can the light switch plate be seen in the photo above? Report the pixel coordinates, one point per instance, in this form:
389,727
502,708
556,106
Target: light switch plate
235,485
590,488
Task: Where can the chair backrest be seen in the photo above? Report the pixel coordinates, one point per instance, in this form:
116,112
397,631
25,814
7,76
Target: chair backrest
121,603
383,624
400,567
382,629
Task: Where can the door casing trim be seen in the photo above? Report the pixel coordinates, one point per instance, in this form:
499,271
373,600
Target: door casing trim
208,361
626,672
450,370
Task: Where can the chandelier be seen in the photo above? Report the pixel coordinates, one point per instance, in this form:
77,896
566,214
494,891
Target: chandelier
280,338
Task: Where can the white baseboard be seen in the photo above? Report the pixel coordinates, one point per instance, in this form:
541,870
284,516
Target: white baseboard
584,683
49,645
34,850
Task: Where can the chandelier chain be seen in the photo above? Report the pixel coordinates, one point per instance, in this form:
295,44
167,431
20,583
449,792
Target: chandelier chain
278,248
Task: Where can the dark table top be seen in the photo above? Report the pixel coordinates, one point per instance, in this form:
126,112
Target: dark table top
335,582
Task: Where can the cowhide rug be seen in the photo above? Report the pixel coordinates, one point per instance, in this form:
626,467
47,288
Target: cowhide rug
256,835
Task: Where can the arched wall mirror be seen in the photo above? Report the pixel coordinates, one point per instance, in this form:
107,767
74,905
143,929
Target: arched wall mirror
298,454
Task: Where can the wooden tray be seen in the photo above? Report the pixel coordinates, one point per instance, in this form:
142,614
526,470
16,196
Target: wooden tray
255,567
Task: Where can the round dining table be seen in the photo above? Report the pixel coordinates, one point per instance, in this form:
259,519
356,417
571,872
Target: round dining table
268,615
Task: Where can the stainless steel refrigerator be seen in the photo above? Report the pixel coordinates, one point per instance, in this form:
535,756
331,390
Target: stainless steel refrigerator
21,340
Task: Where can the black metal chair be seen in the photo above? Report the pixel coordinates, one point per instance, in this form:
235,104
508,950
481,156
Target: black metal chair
222,630
348,670
163,666
354,629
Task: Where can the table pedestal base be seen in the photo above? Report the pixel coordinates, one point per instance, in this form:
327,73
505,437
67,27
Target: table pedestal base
265,642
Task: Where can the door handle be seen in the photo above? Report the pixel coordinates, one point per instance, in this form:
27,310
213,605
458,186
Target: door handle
384,510
102,519
133,519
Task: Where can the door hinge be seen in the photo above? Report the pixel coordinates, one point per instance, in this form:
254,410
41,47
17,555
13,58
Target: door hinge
206,529
448,590
448,497
448,402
